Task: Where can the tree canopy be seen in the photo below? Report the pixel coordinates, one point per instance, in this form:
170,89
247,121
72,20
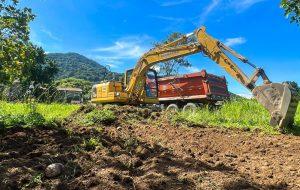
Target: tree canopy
292,10
19,58
295,86
171,67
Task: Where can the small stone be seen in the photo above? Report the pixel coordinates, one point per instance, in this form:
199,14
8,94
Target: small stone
119,128
232,155
270,175
263,151
116,149
242,160
54,170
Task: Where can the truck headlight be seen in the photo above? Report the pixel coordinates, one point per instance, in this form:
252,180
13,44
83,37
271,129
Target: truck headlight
117,93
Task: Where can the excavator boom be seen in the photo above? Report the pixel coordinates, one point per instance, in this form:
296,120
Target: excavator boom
279,99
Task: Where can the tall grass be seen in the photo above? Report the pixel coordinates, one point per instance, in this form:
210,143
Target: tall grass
48,111
297,118
243,113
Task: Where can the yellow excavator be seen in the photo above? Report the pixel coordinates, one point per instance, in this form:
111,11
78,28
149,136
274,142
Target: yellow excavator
279,99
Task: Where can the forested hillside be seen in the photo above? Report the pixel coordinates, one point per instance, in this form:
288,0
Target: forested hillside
78,66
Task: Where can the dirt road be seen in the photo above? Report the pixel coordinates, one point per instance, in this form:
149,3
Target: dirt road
146,151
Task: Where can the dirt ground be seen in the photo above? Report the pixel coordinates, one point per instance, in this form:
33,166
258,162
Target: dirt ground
144,150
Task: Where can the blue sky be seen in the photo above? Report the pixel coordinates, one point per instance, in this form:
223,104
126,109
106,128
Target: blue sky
117,32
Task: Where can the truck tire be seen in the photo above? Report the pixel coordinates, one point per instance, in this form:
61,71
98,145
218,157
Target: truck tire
190,107
173,108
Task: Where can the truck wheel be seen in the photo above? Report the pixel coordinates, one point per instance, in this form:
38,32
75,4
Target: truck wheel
190,107
173,108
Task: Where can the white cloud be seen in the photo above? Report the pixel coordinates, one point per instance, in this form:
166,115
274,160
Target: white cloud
113,62
123,49
229,5
170,3
207,10
167,18
50,34
192,69
131,47
241,5
235,41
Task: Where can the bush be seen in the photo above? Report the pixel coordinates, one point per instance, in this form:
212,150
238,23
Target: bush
12,120
34,119
100,117
30,120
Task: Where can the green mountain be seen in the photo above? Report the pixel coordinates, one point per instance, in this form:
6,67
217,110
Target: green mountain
78,66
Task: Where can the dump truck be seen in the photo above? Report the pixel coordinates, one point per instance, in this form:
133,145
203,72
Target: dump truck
189,91
279,99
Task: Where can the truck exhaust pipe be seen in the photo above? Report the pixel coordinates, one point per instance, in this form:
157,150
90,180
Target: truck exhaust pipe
280,100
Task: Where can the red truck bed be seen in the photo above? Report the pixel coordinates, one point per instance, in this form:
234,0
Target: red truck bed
199,87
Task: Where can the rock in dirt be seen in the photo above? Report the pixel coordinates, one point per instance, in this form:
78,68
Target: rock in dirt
116,149
231,155
54,170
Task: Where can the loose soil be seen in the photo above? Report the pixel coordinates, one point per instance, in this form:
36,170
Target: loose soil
144,150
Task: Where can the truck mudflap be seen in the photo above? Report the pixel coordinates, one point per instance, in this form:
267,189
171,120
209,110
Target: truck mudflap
280,100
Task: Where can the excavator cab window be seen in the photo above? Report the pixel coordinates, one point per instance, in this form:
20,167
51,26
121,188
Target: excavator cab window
127,77
151,87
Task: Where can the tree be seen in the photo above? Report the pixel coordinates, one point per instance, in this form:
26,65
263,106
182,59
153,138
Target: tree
171,67
14,38
19,58
292,10
294,85
38,68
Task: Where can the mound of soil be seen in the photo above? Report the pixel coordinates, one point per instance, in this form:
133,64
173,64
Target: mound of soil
143,150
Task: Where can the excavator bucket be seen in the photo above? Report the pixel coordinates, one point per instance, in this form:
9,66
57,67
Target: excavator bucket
280,100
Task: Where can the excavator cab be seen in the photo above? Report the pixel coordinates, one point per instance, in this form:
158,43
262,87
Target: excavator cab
150,89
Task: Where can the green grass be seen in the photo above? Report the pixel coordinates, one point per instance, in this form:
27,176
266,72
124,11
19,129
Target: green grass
243,113
103,116
92,143
20,113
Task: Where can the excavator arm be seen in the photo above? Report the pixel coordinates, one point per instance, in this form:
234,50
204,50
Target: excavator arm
278,99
